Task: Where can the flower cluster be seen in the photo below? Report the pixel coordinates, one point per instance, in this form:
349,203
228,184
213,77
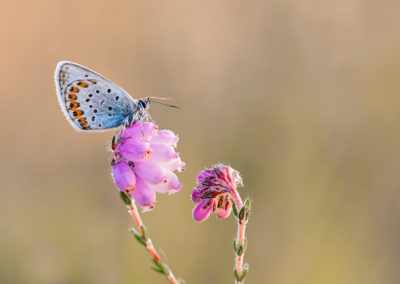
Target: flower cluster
144,163
215,192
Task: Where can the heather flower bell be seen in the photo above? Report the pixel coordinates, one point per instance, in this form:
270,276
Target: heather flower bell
145,161
215,192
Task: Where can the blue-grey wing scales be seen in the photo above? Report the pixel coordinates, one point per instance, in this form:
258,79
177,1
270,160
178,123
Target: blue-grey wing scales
89,100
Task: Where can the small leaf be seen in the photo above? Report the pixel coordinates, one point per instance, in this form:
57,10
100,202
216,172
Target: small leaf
145,232
157,269
236,275
234,246
125,198
235,211
138,236
247,203
244,272
163,255
247,213
156,263
164,267
181,281
240,250
242,213
243,275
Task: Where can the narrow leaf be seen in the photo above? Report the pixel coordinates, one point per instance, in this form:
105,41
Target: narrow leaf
236,275
163,255
235,211
138,236
240,250
145,232
157,269
244,272
242,213
234,246
125,198
247,203
156,263
164,267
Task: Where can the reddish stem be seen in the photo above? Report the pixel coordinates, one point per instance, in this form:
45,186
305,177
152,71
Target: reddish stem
149,245
240,234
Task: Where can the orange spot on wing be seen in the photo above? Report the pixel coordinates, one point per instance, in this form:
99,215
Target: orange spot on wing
73,90
82,84
83,123
73,105
71,98
77,113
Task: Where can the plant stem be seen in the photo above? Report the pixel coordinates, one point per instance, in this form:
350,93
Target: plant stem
149,245
240,240
239,258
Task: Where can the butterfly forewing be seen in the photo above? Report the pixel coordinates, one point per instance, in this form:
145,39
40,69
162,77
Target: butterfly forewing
89,100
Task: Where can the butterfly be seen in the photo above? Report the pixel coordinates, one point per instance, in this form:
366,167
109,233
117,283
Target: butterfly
91,102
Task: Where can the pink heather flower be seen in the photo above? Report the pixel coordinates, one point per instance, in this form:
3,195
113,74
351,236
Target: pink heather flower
215,192
145,161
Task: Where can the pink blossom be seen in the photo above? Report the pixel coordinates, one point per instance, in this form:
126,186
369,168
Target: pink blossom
215,192
144,163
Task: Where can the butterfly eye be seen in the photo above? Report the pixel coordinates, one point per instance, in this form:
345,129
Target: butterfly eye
142,104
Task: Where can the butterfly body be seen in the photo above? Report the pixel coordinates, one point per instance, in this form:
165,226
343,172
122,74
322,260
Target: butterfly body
91,102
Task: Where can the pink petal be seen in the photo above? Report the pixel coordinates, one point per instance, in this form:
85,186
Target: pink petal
197,194
163,152
171,184
134,150
203,175
140,131
175,164
235,176
165,137
124,176
203,210
144,195
224,212
150,171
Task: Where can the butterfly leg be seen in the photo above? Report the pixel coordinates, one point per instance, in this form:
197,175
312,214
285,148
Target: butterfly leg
148,116
125,126
141,127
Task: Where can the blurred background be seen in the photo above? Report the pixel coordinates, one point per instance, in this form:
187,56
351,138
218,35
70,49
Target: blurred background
301,97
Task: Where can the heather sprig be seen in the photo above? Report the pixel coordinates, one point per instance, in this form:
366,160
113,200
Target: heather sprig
216,192
144,163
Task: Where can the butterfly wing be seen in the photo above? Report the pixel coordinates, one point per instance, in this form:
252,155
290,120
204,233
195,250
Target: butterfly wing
89,100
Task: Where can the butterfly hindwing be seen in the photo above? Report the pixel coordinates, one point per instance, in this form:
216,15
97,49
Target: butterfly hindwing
89,100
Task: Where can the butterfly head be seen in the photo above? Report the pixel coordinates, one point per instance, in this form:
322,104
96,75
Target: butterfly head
144,104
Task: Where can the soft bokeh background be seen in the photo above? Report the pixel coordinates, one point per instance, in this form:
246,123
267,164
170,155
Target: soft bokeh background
302,97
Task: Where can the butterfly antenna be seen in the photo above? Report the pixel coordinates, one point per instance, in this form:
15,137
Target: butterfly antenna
163,99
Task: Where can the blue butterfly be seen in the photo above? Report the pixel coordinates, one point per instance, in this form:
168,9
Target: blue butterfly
91,102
